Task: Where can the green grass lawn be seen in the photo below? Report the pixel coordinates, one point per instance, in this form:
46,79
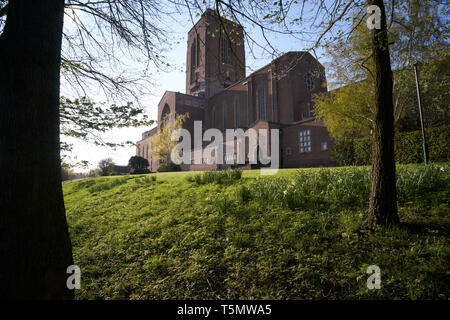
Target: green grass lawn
298,235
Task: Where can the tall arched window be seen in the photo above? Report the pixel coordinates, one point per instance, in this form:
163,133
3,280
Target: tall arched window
198,52
261,99
226,55
237,114
309,81
193,59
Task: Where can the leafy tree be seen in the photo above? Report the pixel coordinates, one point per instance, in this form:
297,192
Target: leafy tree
93,173
86,120
348,111
106,167
383,190
324,17
161,145
137,164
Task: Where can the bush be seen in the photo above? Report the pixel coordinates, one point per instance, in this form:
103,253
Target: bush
219,177
169,167
408,147
141,171
137,163
363,151
342,151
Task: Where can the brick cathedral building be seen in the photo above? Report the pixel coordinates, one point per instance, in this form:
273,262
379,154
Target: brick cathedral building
218,93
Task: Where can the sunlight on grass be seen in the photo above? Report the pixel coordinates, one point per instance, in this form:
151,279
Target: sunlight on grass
298,235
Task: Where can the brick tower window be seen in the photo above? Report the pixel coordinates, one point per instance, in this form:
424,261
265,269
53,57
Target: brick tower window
193,59
226,55
261,96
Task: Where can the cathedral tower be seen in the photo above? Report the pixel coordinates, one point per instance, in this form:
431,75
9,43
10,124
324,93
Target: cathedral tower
215,55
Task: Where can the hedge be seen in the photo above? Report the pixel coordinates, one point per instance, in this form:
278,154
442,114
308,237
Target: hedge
408,147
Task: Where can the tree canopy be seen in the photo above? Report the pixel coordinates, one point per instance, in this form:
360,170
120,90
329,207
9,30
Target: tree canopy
106,166
161,145
348,111
137,163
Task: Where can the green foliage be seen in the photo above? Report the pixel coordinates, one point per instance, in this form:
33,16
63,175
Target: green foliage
363,151
419,33
106,167
219,177
161,144
169,167
85,119
141,171
138,165
343,151
173,239
408,147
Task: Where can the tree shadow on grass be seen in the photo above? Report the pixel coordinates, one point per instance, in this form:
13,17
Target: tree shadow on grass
437,229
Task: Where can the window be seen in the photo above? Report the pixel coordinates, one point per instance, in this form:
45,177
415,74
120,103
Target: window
193,60
324,146
306,112
288,151
261,99
224,116
237,114
198,52
309,81
305,141
226,55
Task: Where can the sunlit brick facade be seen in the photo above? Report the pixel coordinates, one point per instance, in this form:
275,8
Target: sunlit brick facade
277,96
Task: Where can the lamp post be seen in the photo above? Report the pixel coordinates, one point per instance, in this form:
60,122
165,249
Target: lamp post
424,140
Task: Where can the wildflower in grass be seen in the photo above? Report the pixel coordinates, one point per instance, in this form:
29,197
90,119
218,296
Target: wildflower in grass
285,192
208,198
442,169
293,183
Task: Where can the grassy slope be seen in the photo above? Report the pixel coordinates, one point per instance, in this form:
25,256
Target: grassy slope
298,235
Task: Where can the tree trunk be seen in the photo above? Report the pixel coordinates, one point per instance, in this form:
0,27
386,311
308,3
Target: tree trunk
35,248
383,193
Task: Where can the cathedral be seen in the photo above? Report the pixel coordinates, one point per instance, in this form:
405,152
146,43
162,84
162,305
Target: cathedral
218,93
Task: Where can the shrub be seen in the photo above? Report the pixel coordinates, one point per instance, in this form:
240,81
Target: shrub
145,180
342,151
141,171
363,151
219,177
198,178
137,163
243,194
169,167
408,147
